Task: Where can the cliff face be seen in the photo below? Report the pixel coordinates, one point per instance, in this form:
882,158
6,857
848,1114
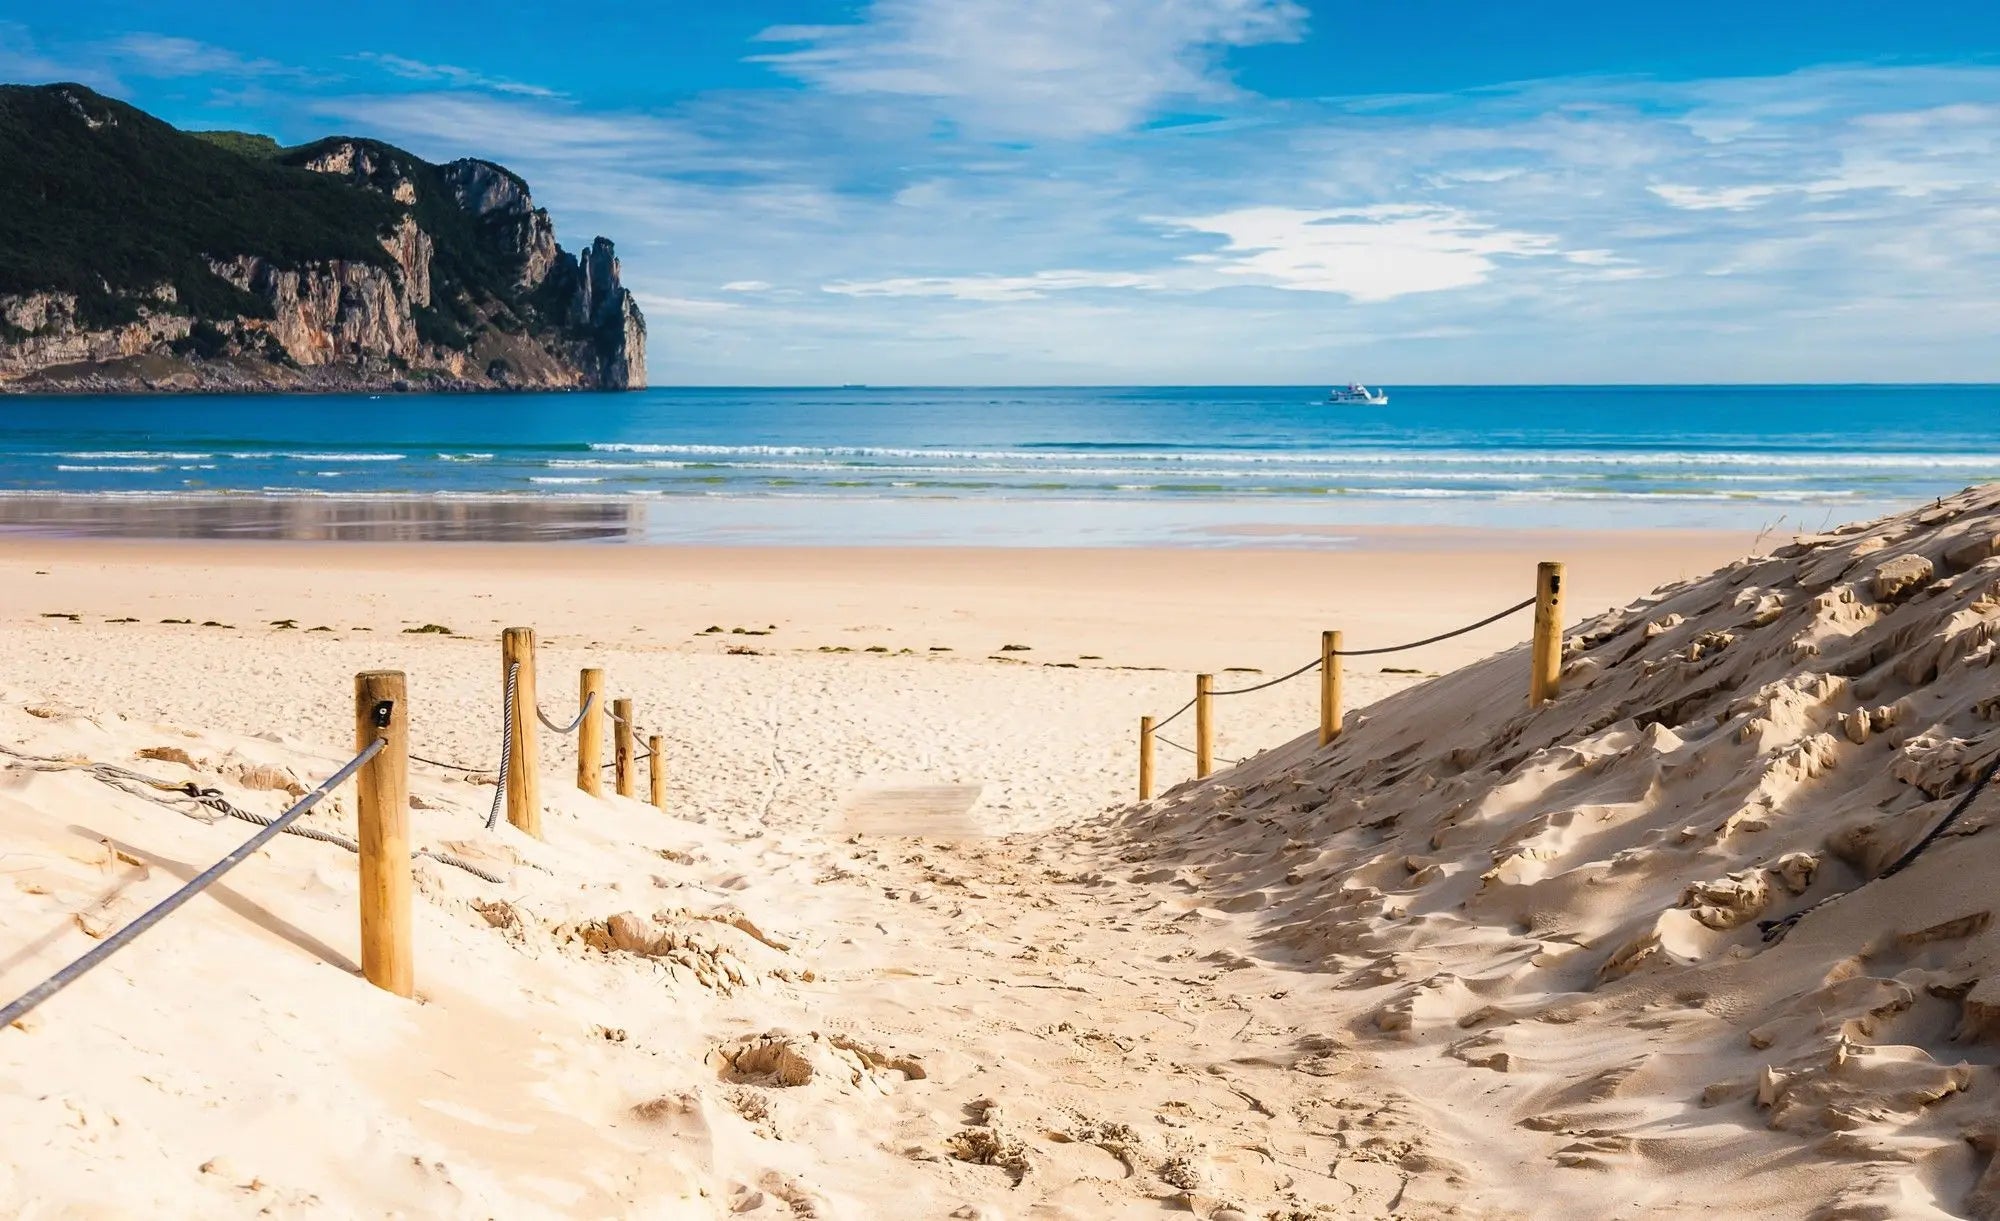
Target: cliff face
345,264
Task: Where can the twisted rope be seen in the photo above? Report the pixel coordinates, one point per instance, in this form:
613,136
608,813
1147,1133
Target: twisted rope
506,744
138,784
21,1006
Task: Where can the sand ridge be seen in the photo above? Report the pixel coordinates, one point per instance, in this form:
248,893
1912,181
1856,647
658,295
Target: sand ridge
1560,908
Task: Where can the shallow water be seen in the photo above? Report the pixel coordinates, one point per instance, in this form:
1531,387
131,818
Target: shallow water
1120,466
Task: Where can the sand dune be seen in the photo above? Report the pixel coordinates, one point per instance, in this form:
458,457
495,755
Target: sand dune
1552,916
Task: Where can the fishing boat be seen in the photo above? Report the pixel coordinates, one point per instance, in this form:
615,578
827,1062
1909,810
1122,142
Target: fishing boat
1358,395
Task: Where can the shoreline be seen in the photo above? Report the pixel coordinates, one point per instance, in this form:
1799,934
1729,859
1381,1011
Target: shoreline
1183,608
1192,523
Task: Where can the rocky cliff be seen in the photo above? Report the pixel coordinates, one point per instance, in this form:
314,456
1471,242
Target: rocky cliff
134,256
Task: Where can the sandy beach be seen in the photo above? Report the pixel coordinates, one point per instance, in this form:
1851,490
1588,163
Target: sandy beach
1284,993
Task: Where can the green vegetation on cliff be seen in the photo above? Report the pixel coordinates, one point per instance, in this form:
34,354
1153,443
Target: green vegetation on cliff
250,144
449,272
102,200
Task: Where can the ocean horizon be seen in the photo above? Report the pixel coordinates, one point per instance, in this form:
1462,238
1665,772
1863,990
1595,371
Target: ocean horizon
1172,465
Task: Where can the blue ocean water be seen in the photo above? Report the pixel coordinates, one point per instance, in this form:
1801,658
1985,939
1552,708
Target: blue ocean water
1123,465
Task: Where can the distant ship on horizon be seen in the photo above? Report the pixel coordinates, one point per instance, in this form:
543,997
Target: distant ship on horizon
1358,395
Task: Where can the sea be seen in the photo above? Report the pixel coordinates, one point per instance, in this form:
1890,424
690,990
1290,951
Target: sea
1124,466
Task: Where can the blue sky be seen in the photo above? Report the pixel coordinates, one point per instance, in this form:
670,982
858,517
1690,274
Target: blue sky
1078,191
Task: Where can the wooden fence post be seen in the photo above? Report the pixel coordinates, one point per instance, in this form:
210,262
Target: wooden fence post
1545,680
1204,726
381,710
590,734
621,751
1145,758
524,779
656,775
1329,687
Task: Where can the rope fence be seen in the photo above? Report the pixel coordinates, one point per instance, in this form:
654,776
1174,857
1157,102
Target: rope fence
179,797
1543,686
589,702
1188,750
380,770
26,1003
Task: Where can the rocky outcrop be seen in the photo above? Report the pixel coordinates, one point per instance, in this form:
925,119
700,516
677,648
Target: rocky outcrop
508,215
342,310
45,332
469,289
602,308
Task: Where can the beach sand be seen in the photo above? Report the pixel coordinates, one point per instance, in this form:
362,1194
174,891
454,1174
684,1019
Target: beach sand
1444,966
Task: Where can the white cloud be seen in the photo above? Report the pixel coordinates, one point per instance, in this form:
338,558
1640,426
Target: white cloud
166,56
993,288
1037,68
747,286
1701,199
451,75
682,307
459,124
1373,253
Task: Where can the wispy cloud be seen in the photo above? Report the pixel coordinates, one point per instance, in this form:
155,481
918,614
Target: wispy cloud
682,307
524,128
23,59
451,75
993,288
1037,68
164,55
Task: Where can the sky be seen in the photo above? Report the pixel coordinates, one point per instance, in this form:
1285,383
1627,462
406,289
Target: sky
1178,191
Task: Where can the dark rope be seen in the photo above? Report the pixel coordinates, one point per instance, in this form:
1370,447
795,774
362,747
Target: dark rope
1774,930
1285,678
1314,664
1159,725
1189,750
1903,862
454,767
26,1003
1418,644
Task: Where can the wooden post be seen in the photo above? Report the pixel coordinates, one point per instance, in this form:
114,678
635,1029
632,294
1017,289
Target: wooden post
524,779
1145,758
1329,687
656,774
1204,727
622,748
590,734
1545,680
381,710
